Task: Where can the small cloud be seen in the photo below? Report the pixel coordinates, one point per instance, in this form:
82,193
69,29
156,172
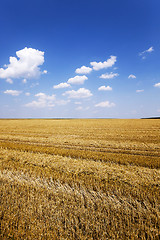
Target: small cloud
62,102
45,72
9,80
34,85
109,75
61,85
77,80
25,65
131,76
139,91
104,88
13,92
24,81
81,108
106,64
105,104
157,85
27,94
43,101
80,93
149,50
83,70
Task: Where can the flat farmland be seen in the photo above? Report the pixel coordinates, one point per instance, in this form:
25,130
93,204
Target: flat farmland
80,179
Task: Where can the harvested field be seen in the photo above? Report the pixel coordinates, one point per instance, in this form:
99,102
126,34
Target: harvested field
80,179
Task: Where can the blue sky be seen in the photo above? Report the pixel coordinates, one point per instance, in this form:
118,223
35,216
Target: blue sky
79,59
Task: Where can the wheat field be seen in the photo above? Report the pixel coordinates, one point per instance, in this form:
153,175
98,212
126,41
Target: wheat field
79,179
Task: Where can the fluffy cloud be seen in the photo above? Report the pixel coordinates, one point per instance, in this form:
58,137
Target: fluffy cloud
131,76
109,75
27,94
104,88
13,92
140,90
77,80
105,104
157,85
61,85
106,64
80,93
43,101
9,80
26,65
83,70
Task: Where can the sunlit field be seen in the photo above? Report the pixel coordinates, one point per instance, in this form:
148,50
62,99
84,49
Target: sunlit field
80,179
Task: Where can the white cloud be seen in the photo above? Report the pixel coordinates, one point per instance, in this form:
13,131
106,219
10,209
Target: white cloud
43,101
81,108
109,75
61,85
149,50
131,76
77,80
104,88
24,81
157,85
105,104
27,94
140,90
45,72
13,92
26,65
9,80
80,93
83,70
62,102
106,64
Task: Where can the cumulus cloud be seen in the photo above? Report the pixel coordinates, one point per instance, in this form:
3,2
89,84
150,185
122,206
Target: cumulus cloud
157,85
106,64
104,88
61,85
9,80
25,65
45,72
131,76
80,93
83,70
149,50
27,94
140,90
43,101
77,80
13,92
105,104
109,75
